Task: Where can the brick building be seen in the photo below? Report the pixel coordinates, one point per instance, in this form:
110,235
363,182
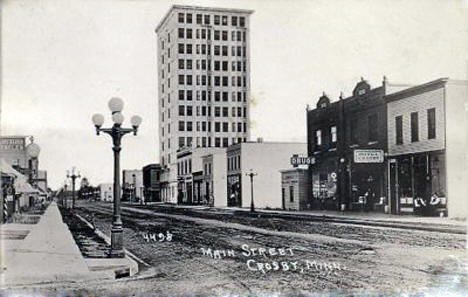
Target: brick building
348,140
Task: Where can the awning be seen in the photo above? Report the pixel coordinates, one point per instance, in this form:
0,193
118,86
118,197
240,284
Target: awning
22,186
7,169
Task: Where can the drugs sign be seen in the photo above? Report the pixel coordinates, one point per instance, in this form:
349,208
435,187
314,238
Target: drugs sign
296,160
368,156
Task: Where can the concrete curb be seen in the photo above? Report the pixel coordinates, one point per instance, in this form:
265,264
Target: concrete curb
107,239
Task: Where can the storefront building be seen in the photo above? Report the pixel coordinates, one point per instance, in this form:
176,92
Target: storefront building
213,189
426,149
295,189
152,182
348,140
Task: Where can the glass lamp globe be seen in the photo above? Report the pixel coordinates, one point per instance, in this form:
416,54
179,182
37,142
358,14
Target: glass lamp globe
98,119
118,118
33,150
116,104
135,121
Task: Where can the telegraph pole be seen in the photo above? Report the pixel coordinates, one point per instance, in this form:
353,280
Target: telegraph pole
251,174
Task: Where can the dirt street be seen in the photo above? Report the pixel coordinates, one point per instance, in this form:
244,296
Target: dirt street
222,253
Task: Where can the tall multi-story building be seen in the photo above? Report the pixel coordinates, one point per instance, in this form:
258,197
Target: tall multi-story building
203,83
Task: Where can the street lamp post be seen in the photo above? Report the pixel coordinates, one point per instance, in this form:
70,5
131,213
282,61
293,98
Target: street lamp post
251,174
73,177
116,132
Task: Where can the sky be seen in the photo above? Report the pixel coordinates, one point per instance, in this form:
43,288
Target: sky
62,60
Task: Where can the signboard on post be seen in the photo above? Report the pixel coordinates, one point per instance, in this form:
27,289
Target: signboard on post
368,156
296,160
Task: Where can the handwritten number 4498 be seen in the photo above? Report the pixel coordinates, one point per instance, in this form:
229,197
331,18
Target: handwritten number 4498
160,237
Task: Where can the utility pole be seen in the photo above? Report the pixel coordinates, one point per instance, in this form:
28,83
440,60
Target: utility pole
73,177
251,174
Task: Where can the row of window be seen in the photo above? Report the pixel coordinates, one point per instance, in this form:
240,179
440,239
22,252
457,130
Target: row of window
218,81
206,96
187,110
218,50
206,127
184,167
202,142
414,126
233,163
206,19
206,65
221,35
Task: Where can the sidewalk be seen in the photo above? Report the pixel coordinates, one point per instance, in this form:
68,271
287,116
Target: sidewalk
47,254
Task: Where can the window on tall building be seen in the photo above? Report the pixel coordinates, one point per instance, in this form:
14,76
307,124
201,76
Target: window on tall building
225,35
291,193
239,111
318,137
216,50
225,142
216,35
207,19
189,64
181,94
189,126
217,65
181,110
225,127
181,64
181,125
181,32
217,127
399,129
181,141
181,17
224,20
234,20
225,65
225,96
217,81
431,123
199,18
217,142
216,19
181,48
225,50
217,96
189,48
188,33
373,127
203,141
225,80
217,111
189,80
414,127
239,127
181,79
225,112
242,21
189,110
203,126
188,18
189,95
244,36
233,127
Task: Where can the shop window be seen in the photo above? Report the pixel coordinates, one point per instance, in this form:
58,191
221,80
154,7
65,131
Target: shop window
431,123
399,129
414,127
291,194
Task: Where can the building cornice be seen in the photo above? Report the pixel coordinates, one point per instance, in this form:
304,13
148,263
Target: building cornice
416,90
201,8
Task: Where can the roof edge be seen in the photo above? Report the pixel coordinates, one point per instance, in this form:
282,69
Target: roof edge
212,9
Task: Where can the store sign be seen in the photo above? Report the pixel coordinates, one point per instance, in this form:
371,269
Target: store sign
11,144
296,160
368,156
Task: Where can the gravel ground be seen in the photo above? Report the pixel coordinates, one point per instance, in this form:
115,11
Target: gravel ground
325,257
